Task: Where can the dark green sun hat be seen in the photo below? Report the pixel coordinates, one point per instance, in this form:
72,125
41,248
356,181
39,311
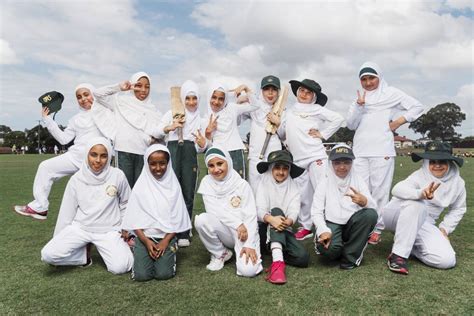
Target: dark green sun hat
52,100
437,150
312,85
280,156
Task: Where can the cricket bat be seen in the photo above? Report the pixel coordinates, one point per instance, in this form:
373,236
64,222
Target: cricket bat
277,109
177,110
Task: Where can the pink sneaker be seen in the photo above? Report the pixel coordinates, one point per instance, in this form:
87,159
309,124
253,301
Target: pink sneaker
25,210
303,234
375,238
276,273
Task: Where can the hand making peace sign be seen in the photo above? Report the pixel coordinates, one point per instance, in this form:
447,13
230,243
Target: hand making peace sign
357,197
360,99
428,192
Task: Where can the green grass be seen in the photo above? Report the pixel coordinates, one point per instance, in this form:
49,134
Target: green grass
30,286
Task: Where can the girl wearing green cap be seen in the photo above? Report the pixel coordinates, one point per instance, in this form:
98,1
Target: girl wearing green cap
418,202
375,115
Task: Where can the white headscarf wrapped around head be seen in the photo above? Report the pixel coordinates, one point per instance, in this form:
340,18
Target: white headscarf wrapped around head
220,188
307,108
384,96
193,119
84,120
157,204
85,173
263,110
216,86
449,187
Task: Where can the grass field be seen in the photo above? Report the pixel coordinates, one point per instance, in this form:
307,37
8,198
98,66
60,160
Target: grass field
29,286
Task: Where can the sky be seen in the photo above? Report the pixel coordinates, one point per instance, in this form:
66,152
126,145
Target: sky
424,48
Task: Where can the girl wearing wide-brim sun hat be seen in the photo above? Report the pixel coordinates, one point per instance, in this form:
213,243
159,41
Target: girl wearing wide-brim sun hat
416,205
379,110
308,123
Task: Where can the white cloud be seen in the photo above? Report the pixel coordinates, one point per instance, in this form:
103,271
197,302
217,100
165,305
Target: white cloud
461,4
7,54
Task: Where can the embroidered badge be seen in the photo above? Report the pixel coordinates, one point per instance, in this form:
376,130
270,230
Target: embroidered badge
432,147
319,162
387,158
111,190
47,98
235,201
270,80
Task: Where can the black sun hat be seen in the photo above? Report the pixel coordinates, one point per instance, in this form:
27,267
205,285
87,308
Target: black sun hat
312,85
281,156
52,100
437,150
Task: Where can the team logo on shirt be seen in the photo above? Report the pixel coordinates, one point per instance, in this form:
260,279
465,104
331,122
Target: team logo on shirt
319,162
111,190
235,201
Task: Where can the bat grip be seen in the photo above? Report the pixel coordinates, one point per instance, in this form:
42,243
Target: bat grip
180,135
265,145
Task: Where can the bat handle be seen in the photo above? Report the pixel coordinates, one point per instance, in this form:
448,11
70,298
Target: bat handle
180,135
265,145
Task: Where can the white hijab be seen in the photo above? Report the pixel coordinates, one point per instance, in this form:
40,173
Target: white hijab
385,96
450,183
220,188
84,119
142,115
264,108
193,119
157,204
85,173
310,109
278,194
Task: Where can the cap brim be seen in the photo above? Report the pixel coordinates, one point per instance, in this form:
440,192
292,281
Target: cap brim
270,84
321,98
436,156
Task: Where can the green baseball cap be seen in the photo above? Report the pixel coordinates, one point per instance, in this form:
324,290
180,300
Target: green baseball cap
280,156
437,150
270,81
52,100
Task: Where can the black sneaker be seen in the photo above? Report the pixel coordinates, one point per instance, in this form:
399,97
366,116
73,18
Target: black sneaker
346,265
397,264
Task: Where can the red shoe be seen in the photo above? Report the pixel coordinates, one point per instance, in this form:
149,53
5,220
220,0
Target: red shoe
25,210
375,238
303,234
276,273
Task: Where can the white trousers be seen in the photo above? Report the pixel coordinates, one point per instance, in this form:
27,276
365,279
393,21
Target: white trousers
216,237
315,172
378,174
68,248
254,176
49,171
416,234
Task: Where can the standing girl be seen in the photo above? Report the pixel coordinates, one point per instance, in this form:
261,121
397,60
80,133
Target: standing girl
307,126
184,156
80,128
136,118
156,212
230,220
222,129
91,212
375,115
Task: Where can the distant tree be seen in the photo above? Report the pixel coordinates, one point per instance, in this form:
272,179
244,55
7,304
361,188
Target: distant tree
5,129
343,135
440,122
17,138
45,138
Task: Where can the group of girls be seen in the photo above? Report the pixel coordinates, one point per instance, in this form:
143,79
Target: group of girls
147,202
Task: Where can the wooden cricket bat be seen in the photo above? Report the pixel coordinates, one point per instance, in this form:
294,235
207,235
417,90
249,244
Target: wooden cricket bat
177,110
277,109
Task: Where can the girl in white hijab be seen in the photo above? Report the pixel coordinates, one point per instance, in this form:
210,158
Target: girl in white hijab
264,100
230,220
343,211
378,111
136,118
416,205
184,155
80,129
222,129
156,212
91,212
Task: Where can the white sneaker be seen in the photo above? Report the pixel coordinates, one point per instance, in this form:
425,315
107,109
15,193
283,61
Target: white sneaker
182,243
217,264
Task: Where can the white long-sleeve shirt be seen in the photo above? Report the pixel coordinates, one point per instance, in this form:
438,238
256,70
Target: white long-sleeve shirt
373,137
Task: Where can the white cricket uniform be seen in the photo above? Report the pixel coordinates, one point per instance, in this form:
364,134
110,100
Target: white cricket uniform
309,152
414,219
91,212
